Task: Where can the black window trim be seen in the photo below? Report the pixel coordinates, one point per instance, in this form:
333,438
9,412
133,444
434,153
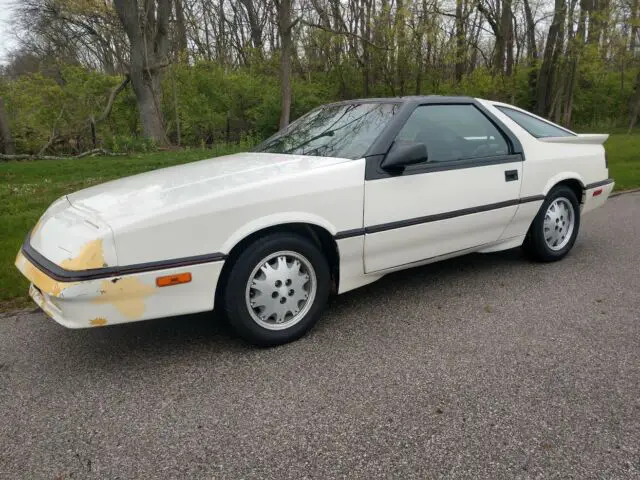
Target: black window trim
502,109
380,148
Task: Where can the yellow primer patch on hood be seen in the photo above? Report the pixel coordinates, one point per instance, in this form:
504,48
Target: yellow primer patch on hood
125,294
91,256
45,283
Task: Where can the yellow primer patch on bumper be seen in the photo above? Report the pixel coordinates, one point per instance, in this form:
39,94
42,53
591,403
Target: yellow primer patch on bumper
91,256
41,280
127,294
98,322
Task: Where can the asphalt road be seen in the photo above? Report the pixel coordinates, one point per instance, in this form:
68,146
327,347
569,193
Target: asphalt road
486,366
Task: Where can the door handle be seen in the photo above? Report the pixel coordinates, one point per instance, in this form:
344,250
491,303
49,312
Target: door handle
510,175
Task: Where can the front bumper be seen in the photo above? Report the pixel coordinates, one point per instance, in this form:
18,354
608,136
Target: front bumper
120,298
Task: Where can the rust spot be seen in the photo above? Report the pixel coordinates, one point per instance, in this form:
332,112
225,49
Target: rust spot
97,322
115,280
45,283
90,256
128,296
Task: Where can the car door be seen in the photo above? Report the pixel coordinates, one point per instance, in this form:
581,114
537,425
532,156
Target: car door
463,195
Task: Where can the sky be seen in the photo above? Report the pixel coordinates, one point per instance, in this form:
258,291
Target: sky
6,37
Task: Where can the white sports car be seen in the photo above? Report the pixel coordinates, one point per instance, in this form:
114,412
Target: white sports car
347,193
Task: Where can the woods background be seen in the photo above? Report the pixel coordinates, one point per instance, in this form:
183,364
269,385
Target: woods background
128,75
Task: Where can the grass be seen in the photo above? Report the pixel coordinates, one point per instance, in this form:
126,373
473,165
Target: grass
624,160
27,189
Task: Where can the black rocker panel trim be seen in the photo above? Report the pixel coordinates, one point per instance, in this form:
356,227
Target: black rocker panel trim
63,275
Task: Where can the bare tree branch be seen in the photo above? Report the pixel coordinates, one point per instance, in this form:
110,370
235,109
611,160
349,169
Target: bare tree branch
345,33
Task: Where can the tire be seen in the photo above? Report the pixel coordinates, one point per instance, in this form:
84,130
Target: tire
258,276
545,241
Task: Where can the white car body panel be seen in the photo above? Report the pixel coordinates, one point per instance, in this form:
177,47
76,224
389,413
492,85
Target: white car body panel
178,211
413,198
189,218
550,161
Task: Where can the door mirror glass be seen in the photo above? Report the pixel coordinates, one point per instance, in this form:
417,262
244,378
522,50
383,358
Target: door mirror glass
403,154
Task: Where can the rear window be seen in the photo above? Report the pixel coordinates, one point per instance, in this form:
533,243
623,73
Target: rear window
536,127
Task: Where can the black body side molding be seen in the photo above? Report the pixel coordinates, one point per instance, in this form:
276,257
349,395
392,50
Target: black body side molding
434,218
63,275
598,184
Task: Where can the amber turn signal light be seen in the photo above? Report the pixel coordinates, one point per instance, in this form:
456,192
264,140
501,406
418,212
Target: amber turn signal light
176,279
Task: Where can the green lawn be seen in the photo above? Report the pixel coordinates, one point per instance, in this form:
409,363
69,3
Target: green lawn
27,188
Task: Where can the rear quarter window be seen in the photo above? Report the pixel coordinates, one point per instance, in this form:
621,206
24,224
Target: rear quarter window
535,126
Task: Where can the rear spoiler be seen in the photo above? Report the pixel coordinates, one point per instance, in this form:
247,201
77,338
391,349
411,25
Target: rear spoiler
582,138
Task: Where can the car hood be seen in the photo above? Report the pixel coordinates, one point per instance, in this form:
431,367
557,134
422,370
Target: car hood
147,194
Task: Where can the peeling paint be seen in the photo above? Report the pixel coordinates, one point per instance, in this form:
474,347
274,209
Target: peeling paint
45,307
98,322
127,295
90,256
45,283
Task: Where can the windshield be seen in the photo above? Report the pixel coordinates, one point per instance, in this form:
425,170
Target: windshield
343,130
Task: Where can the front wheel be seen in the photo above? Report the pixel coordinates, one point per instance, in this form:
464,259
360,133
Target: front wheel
276,289
555,228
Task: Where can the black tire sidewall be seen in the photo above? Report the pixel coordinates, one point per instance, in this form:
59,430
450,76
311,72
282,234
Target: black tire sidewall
538,245
235,305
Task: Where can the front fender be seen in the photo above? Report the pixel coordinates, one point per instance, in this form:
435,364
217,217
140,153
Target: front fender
274,220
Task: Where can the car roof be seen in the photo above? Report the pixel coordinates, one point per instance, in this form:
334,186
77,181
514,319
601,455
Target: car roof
409,99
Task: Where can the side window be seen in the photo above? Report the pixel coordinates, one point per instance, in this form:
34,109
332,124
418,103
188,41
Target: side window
536,127
453,132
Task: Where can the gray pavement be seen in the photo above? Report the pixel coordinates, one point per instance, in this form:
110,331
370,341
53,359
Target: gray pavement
486,366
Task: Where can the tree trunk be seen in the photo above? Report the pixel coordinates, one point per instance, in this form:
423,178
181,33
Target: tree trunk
366,54
255,28
148,44
532,48
286,47
401,58
575,50
635,104
544,85
507,29
7,145
532,52
181,31
460,43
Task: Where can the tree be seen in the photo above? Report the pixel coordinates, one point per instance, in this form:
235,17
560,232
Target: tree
148,32
555,38
6,140
181,30
285,27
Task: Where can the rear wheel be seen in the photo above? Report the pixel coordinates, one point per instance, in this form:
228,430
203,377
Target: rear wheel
276,289
555,228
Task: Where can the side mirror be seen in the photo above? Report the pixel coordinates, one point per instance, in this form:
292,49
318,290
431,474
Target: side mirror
403,154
